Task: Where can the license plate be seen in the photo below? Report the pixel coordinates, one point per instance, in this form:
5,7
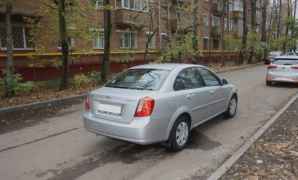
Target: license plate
108,108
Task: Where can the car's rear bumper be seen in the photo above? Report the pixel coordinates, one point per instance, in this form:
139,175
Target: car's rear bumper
282,78
139,131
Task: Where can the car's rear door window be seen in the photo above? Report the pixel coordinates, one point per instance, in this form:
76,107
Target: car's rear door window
189,78
140,79
209,78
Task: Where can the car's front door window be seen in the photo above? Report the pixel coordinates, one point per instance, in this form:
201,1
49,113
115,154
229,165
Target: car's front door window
209,78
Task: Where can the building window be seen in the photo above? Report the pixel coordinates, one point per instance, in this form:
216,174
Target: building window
205,43
98,4
152,42
139,5
128,40
20,35
98,40
215,21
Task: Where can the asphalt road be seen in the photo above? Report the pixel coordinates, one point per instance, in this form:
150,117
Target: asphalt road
59,148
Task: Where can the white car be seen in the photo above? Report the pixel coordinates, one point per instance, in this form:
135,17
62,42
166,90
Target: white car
282,69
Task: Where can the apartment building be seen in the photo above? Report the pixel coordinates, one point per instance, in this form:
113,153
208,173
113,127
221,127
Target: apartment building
130,26
133,21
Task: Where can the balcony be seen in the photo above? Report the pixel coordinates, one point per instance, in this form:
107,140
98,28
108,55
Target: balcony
124,18
236,14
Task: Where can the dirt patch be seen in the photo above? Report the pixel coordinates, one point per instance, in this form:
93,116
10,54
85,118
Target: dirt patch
43,94
274,156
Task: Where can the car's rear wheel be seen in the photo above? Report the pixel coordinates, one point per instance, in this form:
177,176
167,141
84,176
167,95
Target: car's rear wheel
232,108
180,134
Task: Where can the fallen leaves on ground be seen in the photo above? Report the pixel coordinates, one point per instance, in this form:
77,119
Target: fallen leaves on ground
274,156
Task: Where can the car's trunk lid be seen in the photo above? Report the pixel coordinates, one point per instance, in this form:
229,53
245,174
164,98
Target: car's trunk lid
116,104
286,68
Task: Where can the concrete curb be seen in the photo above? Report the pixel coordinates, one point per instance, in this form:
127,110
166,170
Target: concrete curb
239,68
55,102
244,147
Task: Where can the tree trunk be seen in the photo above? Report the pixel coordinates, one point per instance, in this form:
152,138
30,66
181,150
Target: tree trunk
285,47
194,25
279,19
264,20
151,34
253,15
105,65
210,3
9,69
244,33
64,43
295,8
222,24
228,15
253,28
263,27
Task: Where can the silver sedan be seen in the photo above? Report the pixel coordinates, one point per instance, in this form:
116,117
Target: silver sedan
283,69
159,103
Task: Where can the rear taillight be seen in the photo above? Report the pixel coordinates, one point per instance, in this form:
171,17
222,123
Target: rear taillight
87,104
294,67
145,107
272,66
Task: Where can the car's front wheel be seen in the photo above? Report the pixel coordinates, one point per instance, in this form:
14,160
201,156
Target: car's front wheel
180,134
232,108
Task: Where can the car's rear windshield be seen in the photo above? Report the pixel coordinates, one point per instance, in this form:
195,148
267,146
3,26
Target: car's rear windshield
141,79
285,61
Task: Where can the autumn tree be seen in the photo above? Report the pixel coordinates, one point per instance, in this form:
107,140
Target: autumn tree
65,22
9,67
152,28
245,31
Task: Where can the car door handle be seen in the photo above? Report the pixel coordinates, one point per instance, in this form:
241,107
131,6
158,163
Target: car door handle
212,91
189,96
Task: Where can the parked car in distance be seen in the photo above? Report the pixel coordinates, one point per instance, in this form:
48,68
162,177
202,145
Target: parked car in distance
283,69
272,55
159,103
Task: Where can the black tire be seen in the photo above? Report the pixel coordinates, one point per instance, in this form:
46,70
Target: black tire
172,143
230,113
268,83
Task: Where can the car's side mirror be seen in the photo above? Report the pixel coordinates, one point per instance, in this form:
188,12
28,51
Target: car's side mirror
224,81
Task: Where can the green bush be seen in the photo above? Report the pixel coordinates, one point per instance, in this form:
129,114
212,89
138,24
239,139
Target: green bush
179,48
81,80
17,84
232,43
25,87
95,77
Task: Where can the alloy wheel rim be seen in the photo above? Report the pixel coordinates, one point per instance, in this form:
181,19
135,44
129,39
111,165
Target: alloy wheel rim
233,106
182,133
